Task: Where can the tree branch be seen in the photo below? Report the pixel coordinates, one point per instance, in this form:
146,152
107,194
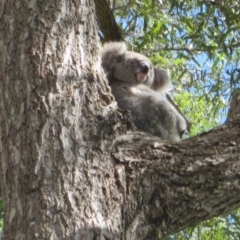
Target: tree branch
192,49
180,184
234,110
107,23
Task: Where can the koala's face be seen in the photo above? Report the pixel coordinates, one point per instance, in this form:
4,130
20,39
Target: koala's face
132,67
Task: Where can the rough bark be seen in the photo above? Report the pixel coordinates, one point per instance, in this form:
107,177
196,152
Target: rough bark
179,185
54,174
72,166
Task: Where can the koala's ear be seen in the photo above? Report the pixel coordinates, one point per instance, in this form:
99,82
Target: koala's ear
161,80
112,49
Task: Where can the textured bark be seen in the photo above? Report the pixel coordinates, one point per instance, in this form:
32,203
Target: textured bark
179,185
56,179
72,166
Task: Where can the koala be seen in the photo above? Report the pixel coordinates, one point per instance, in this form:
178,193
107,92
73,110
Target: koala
131,67
140,87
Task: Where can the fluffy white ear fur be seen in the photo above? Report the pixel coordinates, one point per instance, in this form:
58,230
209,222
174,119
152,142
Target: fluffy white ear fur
112,48
162,82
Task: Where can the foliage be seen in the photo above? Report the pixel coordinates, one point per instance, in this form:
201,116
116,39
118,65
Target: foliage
221,228
198,42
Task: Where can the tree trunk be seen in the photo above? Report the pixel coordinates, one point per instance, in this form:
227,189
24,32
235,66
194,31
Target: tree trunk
72,166
56,176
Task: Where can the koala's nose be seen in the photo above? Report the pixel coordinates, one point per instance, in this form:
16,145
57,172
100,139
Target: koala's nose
144,66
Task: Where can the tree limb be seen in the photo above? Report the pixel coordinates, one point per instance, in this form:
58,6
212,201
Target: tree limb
107,23
192,49
180,184
234,110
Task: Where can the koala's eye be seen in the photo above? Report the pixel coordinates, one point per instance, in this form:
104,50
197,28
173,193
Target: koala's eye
131,61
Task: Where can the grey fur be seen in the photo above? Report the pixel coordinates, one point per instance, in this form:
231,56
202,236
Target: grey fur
139,87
